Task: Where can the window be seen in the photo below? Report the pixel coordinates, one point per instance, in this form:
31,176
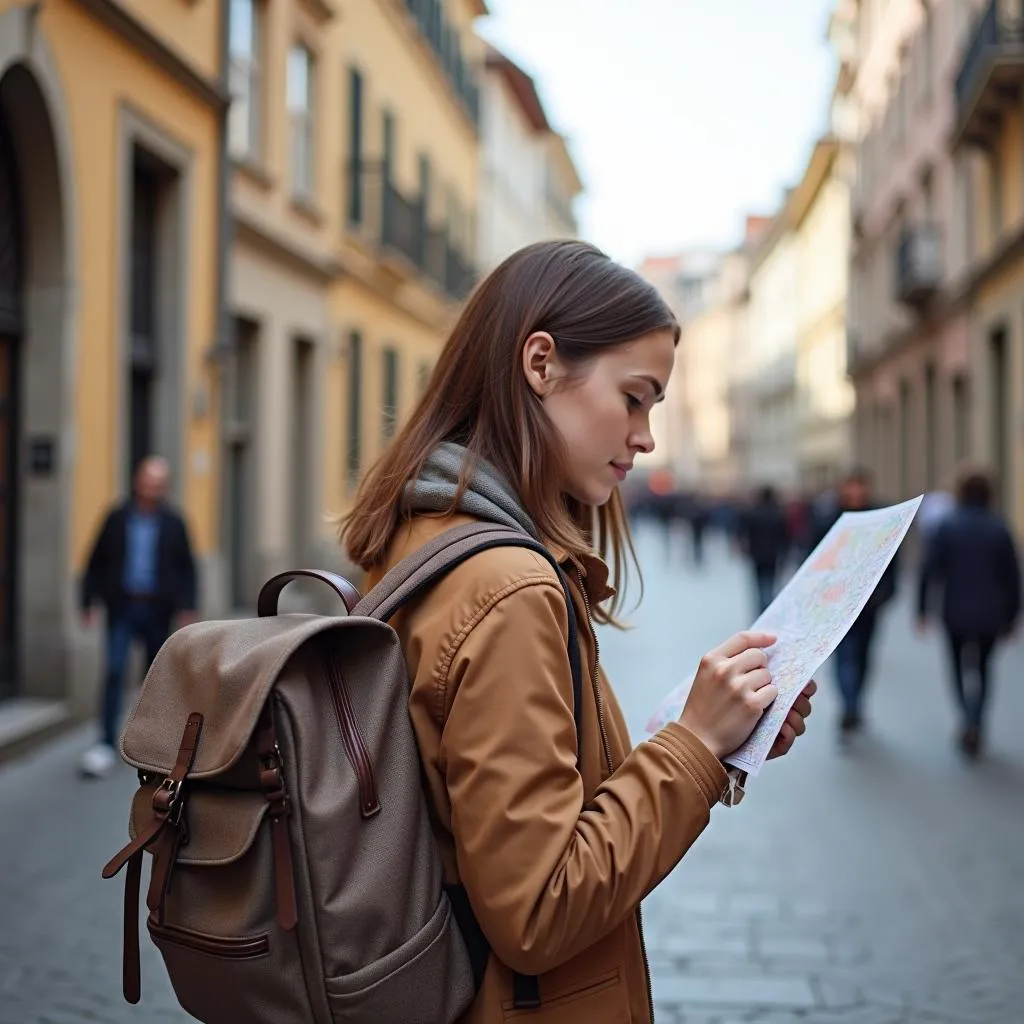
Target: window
995,195
928,194
301,113
961,419
354,454
246,42
390,406
929,50
905,438
355,147
388,129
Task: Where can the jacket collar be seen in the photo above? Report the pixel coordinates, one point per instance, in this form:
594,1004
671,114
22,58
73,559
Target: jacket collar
592,568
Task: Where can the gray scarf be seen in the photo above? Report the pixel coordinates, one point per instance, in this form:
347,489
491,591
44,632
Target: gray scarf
488,496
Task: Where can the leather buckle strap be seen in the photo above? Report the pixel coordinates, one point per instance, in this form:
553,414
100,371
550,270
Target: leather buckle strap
272,784
164,834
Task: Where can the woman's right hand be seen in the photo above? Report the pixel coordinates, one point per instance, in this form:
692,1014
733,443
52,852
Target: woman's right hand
730,692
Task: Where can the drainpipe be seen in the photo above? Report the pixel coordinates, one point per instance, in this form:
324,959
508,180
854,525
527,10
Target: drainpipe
225,226
223,343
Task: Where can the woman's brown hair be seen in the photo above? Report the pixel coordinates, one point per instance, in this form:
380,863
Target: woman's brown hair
478,396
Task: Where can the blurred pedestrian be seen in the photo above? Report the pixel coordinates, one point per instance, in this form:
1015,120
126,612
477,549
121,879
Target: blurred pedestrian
142,570
699,515
764,537
853,655
972,564
935,506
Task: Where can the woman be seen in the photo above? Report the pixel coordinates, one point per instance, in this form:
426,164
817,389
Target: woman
535,412
972,559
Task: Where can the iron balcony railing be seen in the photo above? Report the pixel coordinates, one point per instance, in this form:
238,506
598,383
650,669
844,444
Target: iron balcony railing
445,41
918,263
398,223
1000,28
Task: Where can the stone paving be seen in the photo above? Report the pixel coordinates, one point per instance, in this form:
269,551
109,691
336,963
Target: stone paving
874,886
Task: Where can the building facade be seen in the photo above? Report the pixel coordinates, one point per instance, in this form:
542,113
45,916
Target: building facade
987,141
112,121
767,377
824,395
529,183
909,322
355,141
686,281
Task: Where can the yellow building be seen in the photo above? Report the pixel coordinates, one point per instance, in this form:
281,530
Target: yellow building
820,209
988,137
355,138
111,118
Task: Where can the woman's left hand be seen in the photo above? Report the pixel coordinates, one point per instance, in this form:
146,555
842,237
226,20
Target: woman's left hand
795,722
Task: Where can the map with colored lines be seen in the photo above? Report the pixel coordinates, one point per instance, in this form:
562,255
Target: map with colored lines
811,614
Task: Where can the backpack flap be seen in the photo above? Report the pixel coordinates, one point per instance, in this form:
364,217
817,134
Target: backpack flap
221,670
221,825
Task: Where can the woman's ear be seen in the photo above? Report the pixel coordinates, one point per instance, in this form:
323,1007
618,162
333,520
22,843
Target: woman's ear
540,362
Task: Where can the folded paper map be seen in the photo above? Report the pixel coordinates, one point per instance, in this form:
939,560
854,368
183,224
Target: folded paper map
811,614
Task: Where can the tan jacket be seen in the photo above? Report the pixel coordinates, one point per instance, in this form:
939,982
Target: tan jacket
555,862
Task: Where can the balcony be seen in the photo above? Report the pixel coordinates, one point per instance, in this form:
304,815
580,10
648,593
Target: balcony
397,225
446,45
918,264
991,73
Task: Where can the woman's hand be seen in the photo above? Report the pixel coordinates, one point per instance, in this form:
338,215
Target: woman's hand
730,692
794,724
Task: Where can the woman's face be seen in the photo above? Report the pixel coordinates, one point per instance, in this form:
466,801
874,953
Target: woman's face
602,409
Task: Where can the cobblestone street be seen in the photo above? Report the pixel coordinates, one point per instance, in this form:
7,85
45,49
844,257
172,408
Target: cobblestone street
876,885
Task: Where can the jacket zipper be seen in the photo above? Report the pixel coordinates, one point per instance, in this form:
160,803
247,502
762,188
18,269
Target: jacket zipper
608,761
597,678
355,748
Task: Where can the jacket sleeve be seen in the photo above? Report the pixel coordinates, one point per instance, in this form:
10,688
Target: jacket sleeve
90,586
1009,567
547,876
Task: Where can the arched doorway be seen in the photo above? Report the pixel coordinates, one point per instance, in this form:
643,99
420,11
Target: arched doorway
11,329
36,368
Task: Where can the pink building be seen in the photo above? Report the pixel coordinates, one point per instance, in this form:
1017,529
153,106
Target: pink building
909,330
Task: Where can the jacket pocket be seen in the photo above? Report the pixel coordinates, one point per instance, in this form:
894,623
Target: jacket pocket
427,980
592,1000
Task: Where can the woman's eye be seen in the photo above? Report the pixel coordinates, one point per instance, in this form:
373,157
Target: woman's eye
633,402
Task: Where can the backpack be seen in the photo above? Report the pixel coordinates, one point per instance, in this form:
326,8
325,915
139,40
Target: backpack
295,874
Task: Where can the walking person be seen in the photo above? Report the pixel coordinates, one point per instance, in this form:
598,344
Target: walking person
853,655
537,408
765,538
142,570
972,571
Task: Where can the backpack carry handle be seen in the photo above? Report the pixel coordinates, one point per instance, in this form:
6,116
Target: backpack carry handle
266,604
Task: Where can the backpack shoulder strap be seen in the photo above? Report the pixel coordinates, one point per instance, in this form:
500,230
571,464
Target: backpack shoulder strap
435,559
411,577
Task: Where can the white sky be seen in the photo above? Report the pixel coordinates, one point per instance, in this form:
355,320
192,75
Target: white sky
682,115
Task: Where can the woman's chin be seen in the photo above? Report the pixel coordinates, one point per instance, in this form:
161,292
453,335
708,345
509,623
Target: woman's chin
594,494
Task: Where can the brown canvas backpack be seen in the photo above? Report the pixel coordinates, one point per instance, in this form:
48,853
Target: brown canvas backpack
295,875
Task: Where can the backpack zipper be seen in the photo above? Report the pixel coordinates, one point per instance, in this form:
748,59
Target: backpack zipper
352,740
608,761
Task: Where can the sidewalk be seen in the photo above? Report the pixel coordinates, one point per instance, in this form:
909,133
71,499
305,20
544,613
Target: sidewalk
875,886
878,886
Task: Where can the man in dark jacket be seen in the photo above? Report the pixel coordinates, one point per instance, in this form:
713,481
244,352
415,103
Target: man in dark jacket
141,568
765,539
853,655
972,560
